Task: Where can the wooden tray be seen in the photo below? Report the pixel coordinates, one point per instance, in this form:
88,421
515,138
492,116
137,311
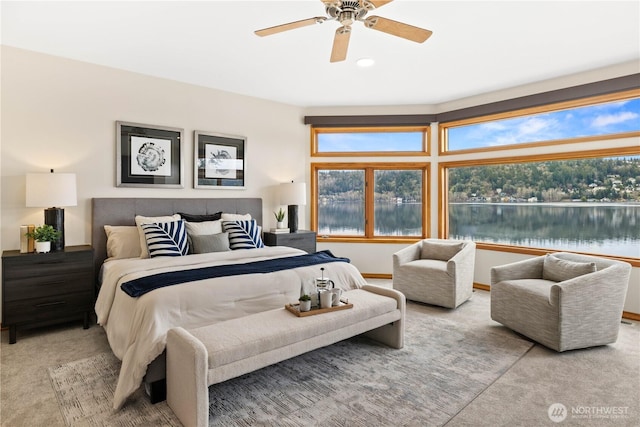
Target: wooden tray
294,308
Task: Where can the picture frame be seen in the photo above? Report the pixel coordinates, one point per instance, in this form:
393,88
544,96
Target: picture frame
149,156
219,161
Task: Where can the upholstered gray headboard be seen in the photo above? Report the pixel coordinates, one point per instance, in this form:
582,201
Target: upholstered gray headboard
122,211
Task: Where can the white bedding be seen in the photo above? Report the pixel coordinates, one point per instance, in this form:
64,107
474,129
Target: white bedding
136,327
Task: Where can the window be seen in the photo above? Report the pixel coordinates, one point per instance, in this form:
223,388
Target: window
375,141
599,118
588,202
341,202
369,201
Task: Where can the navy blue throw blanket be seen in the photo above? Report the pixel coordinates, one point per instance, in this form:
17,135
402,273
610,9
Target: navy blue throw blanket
142,285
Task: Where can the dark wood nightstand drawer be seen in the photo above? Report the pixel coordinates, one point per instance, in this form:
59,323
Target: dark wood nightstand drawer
37,310
42,286
302,239
303,242
42,265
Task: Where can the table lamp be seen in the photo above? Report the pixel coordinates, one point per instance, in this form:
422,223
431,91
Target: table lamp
52,190
293,194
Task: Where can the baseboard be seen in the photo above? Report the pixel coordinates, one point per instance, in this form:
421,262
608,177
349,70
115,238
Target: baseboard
631,316
481,287
376,276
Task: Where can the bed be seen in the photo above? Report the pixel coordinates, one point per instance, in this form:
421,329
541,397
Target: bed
136,326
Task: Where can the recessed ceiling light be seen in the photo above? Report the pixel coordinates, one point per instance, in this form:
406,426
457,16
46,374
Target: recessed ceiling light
365,62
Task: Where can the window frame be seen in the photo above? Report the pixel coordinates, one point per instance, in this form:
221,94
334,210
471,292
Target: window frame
443,192
369,168
426,140
443,127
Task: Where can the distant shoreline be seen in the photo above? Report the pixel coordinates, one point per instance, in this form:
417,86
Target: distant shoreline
559,204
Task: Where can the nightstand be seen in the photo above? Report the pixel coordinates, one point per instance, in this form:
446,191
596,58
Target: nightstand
44,289
301,239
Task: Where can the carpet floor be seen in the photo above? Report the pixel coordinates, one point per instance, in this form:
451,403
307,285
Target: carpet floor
458,368
443,366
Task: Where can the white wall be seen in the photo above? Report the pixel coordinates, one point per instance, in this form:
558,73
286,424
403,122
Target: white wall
58,113
61,114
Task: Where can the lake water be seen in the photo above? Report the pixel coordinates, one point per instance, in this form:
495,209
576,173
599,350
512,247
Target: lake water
611,229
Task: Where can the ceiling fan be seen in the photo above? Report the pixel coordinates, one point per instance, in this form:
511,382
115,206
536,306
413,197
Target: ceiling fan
346,13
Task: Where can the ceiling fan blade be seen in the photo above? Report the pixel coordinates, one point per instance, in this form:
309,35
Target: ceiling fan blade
398,29
378,3
290,26
340,44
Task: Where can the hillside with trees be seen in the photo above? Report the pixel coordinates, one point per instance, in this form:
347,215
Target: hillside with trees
554,181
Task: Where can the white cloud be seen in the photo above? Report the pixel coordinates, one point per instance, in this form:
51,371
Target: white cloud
492,126
535,125
612,119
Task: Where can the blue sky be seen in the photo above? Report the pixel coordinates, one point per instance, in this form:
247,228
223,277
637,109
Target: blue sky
614,117
374,141
610,118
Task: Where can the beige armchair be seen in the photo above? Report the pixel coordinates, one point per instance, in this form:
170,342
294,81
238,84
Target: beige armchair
435,271
564,301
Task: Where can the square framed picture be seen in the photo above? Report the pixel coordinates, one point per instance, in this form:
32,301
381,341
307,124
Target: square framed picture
219,160
148,156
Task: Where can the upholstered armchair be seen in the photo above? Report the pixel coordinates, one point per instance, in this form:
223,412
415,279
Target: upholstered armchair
435,271
563,301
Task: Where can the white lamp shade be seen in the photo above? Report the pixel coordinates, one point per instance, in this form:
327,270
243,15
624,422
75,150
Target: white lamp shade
46,190
293,193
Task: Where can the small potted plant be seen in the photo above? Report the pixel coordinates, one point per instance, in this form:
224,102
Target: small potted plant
280,218
44,235
305,302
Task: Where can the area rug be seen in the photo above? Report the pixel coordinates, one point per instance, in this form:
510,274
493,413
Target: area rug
444,365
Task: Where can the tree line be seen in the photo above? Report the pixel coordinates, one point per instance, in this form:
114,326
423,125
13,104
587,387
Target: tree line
598,179
611,179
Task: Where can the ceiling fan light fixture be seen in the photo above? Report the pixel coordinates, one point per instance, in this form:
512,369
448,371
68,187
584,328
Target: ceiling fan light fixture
347,12
365,62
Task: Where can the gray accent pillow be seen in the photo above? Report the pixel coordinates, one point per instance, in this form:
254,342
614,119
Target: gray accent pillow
559,270
442,251
205,243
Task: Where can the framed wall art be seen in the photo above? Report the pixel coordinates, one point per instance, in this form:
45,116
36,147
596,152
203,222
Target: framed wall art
220,160
148,156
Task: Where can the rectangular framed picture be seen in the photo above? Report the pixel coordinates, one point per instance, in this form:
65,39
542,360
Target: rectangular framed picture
219,160
148,156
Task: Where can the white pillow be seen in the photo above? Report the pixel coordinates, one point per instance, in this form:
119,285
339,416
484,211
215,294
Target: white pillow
235,217
144,252
205,227
123,241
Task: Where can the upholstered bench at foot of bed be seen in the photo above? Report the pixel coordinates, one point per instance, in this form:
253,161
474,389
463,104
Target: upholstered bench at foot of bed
221,351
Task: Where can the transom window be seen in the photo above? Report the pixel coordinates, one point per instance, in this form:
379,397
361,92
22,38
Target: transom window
598,118
387,141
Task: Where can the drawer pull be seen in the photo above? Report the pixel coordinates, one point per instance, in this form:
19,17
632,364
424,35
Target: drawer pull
57,282
59,261
48,304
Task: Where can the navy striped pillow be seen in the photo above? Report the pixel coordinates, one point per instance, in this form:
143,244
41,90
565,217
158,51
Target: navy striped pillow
166,238
243,234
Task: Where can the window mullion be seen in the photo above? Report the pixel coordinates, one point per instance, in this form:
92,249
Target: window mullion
369,189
